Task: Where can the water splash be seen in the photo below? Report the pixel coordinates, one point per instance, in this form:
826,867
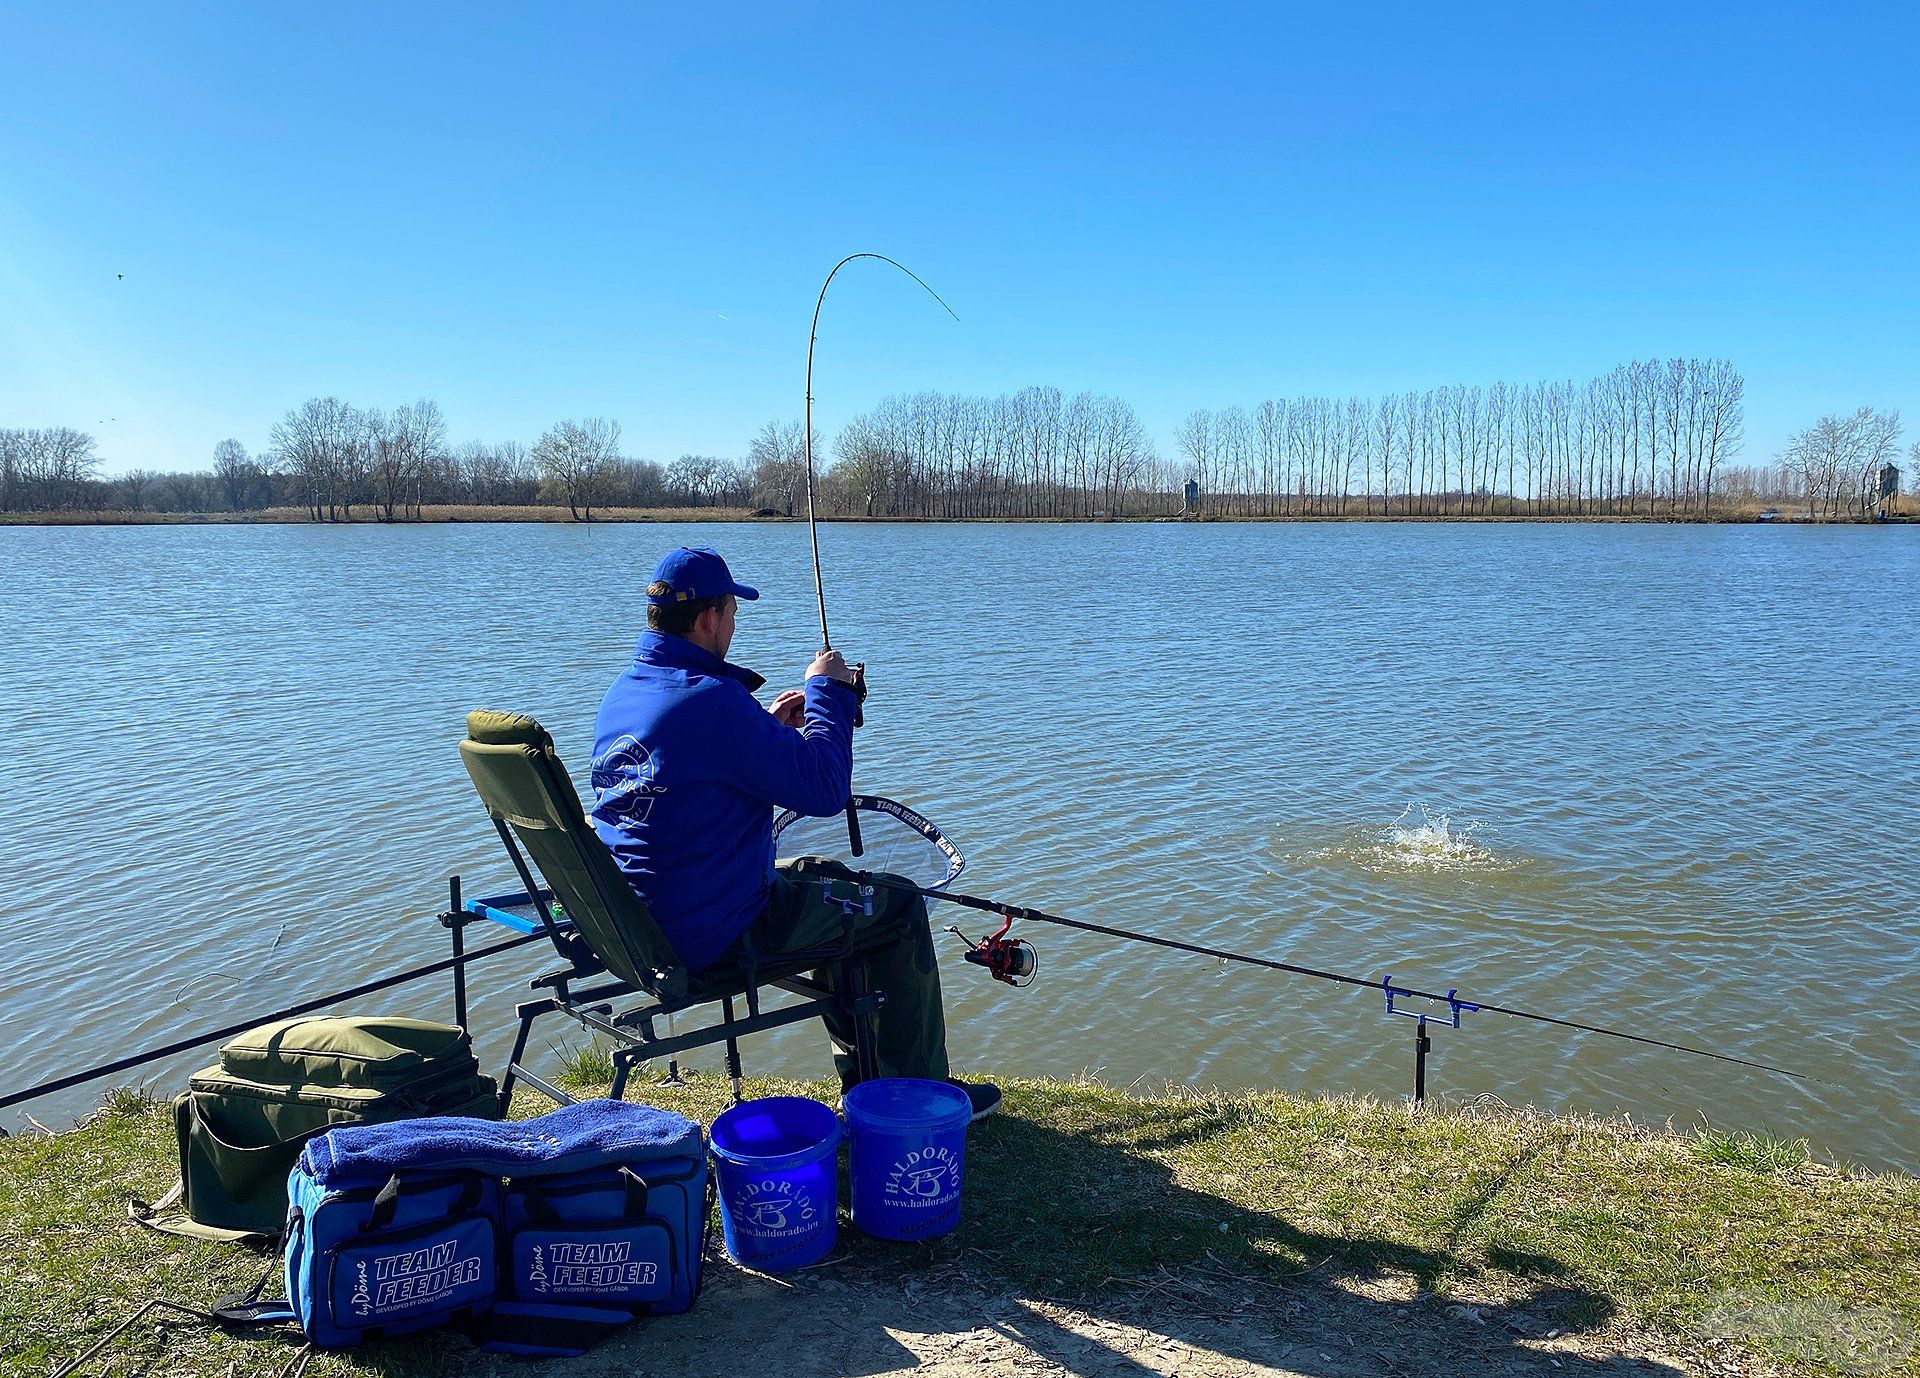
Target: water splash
1432,843
1420,841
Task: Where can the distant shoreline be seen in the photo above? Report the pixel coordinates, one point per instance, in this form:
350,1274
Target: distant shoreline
471,514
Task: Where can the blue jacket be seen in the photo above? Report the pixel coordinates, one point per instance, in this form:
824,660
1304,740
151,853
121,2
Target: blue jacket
688,769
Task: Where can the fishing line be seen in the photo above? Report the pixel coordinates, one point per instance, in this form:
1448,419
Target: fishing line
813,527
806,433
1450,999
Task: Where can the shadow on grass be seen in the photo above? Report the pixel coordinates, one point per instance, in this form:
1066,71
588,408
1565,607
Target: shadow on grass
1078,1248
1075,1250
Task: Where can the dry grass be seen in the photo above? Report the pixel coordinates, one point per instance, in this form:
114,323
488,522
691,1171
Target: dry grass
1588,1227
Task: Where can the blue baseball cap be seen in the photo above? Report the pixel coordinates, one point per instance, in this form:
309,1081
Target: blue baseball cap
691,573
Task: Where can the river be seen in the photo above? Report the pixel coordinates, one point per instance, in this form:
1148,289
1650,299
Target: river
1664,778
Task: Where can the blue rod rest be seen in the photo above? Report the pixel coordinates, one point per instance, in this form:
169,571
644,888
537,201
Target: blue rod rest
1455,1005
500,909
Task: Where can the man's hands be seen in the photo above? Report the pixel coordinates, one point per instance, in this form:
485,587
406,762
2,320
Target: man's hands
790,709
833,666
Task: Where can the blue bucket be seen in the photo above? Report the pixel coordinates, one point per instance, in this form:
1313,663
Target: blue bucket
907,1140
779,1179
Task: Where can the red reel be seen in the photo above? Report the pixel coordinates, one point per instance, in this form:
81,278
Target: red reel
1008,959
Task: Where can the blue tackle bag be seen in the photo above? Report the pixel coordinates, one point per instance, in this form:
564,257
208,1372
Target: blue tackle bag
539,1236
607,1238
419,1250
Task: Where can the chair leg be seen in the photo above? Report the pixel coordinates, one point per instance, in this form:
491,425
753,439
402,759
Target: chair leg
734,1074
622,1068
527,1015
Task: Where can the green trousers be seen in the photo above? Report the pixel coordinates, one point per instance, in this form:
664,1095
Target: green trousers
910,1028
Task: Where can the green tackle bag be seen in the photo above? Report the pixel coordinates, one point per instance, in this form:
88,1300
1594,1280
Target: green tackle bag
242,1122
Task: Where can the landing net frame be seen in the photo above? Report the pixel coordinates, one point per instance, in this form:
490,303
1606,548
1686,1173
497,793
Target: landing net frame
955,860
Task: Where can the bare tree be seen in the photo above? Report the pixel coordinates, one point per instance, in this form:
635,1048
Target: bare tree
867,469
1195,439
314,440
14,475
1826,455
384,463
1878,444
1725,396
236,473
779,466
404,447
136,485
575,458
63,462
699,479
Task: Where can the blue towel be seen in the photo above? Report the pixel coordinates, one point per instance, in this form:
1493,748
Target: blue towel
574,1138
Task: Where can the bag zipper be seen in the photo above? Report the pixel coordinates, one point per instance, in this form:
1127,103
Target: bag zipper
579,1188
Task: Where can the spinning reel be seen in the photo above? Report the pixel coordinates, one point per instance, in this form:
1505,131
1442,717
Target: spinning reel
1009,959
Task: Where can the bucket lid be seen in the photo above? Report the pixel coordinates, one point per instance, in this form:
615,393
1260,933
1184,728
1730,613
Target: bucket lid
910,1104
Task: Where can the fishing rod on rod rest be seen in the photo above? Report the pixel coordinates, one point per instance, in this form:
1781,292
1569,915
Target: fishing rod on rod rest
455,964
854,841
1002,956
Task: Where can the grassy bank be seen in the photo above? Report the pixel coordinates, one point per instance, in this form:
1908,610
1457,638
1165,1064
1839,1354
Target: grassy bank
1576,1236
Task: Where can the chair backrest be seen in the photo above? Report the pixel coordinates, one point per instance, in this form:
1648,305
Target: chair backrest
524,786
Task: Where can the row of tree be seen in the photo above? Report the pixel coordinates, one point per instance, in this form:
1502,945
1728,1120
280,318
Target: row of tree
1654,438
398,461
1033,453
333,460
1646,439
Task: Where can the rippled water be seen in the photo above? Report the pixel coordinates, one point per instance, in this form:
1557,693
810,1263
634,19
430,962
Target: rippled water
1658,777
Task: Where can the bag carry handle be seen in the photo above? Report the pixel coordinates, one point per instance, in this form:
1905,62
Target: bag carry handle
541,1212
249,1309
387,1201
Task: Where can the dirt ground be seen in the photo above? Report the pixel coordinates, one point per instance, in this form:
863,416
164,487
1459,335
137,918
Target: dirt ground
832,1321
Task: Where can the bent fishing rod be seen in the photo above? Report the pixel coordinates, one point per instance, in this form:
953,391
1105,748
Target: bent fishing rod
813,527
1011,959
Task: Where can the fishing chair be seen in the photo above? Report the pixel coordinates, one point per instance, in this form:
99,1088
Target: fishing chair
614,952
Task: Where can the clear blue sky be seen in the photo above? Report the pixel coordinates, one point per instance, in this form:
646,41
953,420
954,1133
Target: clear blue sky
546,211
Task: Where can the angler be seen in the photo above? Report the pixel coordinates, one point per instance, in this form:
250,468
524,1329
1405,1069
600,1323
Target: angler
688,772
